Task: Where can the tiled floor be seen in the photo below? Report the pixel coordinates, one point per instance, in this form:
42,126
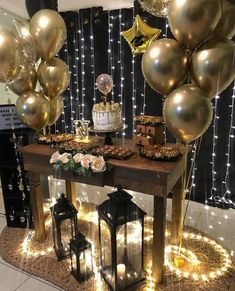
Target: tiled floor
216,222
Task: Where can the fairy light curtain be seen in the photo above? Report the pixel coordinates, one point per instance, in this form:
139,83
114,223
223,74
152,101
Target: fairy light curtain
94,46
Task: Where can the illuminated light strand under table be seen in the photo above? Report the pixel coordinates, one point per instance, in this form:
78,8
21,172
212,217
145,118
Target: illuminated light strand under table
136,174
200,268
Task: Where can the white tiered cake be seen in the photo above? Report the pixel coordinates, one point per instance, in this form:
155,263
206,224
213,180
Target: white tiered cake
107,116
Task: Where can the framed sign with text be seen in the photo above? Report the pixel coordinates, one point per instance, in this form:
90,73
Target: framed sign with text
9,118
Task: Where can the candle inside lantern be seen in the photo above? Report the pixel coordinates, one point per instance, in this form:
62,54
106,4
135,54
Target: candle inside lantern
82,263
74,261
121,270
88,256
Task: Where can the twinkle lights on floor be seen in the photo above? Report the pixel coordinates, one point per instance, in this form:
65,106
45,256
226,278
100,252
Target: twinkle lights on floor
202,260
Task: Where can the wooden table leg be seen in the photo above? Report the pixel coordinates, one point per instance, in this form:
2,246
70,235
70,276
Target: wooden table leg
71,192
37,206
159,228
177,212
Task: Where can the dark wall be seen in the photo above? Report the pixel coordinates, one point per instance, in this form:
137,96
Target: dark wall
83,92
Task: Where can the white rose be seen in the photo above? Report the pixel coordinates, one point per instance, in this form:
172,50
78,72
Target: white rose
55,157
78,157
98,164
86,161
64,158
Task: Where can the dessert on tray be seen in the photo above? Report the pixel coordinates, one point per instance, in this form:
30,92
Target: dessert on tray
160,152
107,116
113,152
75,146
55,138
149,120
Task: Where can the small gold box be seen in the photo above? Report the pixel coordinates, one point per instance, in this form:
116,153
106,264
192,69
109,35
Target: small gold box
149,130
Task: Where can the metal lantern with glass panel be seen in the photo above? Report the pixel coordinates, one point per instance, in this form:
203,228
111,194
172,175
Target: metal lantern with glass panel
64,222
121,237
81,258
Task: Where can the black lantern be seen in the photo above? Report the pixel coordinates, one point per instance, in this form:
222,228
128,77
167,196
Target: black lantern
64,222
81,258
121,237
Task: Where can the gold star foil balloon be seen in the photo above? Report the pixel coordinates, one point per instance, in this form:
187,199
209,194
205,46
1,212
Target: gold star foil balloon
140,36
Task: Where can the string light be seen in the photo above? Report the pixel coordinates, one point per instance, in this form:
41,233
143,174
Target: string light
70,84
225,258
213,155
134,106
171,252
120,61
121,70
83,89
226,181
65,53
92,55
111,66
76,72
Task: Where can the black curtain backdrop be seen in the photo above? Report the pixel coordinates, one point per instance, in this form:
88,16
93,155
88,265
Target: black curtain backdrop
97,20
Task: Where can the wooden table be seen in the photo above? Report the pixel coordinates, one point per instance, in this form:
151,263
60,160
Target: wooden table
137,174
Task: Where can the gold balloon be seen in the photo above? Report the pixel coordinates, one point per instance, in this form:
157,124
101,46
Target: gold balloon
193,21
53,76
33,109
26,80
56,108
10,56
213,66
26,42
226,26
164,65
187,112
157,8
49,32
140,36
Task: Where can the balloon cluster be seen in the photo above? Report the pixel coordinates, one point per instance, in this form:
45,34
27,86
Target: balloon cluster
18,55
202,53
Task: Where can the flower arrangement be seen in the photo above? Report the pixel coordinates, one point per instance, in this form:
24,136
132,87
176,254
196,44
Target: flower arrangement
80,164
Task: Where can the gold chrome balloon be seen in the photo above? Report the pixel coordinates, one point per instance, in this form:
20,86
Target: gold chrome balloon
56,108
164,65
26,80
49,32
26,42
33,109
157,8
226,25
213,66
140,36
187,112
53,76
193,21
9,56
